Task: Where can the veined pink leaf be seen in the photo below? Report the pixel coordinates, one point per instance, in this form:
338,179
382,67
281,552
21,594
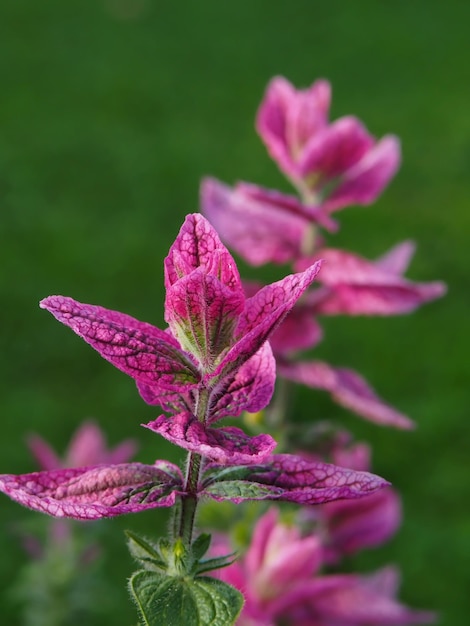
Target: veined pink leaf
89,493
263,314
347,388
293,479
288,118
144,352
261,225
198,246
202,313
250,388
227,445
335,149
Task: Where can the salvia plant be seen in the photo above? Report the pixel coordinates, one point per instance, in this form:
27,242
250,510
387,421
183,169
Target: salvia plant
225,343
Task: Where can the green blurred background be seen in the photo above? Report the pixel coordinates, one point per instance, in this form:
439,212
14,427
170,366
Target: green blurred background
110,113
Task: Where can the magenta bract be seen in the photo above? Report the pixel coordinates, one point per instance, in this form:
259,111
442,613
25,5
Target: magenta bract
280,577
347,388
348,526
89,493
352,600
222,445
216,335
291,478
334,165
356,286
261,225
87,447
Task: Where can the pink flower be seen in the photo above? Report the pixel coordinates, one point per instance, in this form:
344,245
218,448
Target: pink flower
353,600
277,561
216,341
352,285
282,583
347,526
87,447
261,225
335,164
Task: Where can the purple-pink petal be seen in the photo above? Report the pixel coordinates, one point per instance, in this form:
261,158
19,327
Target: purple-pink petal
353,525
290,478
249,388
397,259
202,313
363,183
44,454
287,118
335,149
356,286
315,482
352,600
261,225
263,314
89,493
168,400
299,331
347,388
227,445
198,246
138,349
260,231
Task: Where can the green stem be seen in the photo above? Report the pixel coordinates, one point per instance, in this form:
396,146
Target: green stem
189,501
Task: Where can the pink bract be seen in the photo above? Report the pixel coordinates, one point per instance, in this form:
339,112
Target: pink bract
216,330
261,225
347,388
334,165
87,447
356,286
279,575
88,493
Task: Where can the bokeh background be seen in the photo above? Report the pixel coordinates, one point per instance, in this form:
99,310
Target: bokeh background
110,113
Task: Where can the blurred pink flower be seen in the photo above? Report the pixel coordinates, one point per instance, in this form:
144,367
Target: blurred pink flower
281,580
347,526
87,447
335,164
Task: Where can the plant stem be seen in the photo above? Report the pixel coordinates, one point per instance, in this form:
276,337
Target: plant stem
189,501
193,470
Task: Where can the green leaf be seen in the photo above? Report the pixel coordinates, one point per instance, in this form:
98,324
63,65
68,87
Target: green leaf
216,563
144,551
201,545
238,490
170,601
235,472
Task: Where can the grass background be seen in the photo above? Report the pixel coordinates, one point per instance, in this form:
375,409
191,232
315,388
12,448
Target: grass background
110,113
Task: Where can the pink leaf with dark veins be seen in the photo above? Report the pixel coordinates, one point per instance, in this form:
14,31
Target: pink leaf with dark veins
202,313
365,180
291,478
226,445
198,246
347,388
357,286
261,225
168,400
89,493
250,388
144,352
336,148
263,314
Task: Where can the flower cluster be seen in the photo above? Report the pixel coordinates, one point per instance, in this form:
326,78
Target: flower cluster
218,357
284,573
332,166
281,578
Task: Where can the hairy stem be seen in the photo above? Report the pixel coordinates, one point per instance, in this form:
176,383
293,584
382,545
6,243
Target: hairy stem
193,470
